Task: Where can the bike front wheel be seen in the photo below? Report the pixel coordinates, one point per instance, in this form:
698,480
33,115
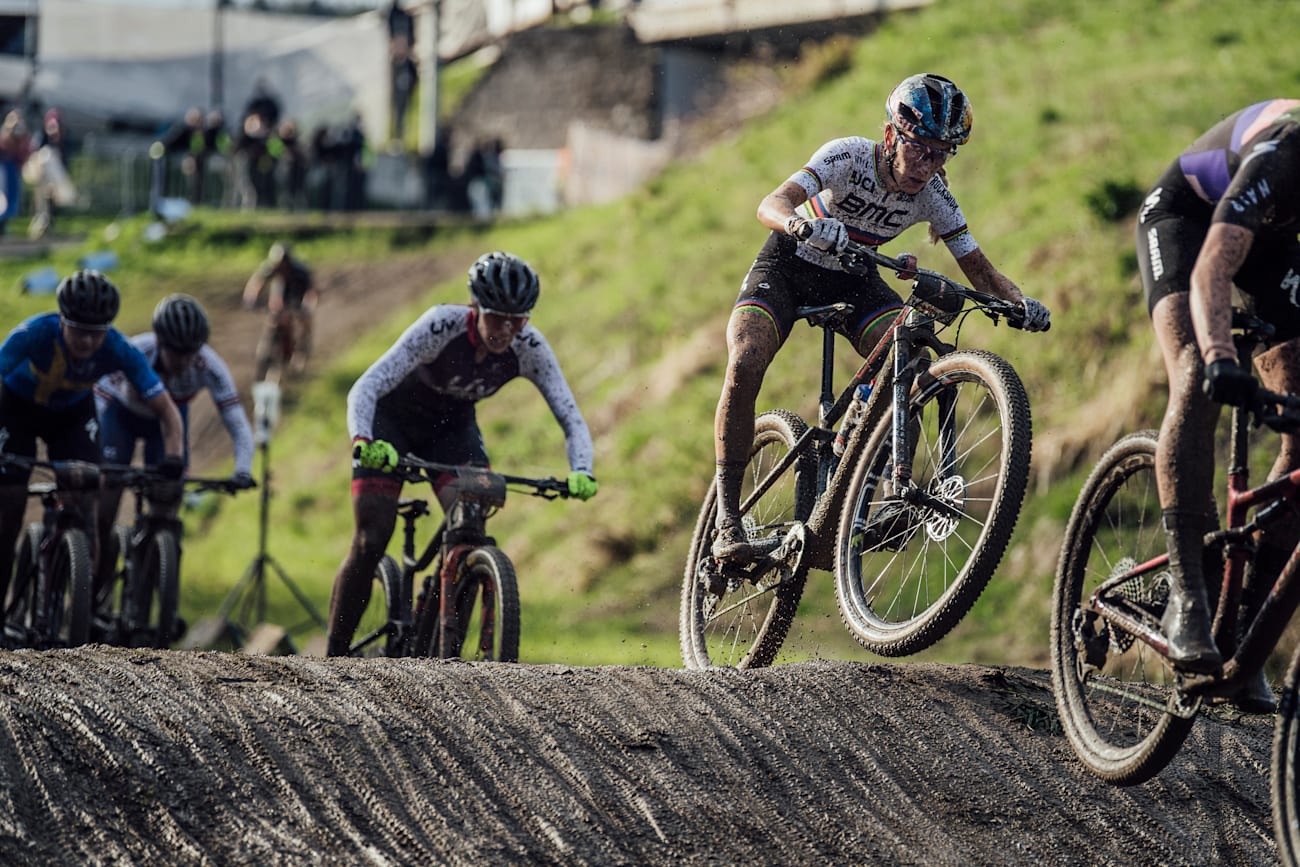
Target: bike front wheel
740,617
154,597
1114,693
485,602
908,569
68,592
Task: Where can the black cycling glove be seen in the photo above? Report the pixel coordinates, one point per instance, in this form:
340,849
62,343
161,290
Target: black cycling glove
1230,383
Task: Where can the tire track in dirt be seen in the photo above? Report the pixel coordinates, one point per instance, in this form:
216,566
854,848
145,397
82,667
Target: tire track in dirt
130,756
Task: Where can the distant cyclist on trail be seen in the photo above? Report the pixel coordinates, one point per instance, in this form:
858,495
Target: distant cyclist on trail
1224,213
291,301
177,350
48,366
851,189
419,398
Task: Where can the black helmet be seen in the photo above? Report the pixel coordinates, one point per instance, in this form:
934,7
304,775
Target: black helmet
88,299
180,323
502,283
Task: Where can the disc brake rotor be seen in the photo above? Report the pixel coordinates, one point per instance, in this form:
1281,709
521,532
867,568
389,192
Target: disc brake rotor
951,491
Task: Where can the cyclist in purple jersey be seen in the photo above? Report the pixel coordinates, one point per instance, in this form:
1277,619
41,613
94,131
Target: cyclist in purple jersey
1224,213
177,349
852,188
48,366
419,398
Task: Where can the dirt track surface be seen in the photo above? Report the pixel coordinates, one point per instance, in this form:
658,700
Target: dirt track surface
127,756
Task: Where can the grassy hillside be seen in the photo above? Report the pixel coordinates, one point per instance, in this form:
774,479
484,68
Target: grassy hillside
1078,106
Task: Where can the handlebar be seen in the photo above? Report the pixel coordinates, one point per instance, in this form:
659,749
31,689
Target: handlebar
930,289
415,469
935,293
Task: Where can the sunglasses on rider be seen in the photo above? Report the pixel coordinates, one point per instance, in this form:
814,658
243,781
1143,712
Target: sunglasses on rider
504,315
919,150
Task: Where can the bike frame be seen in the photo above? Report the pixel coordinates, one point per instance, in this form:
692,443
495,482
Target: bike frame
1269,623
911,330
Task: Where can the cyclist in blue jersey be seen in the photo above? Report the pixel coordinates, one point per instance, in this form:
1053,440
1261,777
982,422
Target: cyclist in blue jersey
1225,213
177,350
48,366
419,398
851,189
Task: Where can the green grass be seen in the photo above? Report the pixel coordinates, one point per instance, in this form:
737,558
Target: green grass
1072,99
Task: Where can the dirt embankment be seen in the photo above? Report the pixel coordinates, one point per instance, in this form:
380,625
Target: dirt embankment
134,757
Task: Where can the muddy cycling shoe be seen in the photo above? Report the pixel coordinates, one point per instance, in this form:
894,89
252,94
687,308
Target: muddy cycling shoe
1256,696
1187,628
890,527
732,543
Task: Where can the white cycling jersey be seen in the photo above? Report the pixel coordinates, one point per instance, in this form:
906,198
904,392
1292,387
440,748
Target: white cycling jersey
439,350
208,372
843,181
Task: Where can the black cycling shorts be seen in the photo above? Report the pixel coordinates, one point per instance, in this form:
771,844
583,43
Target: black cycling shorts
779,282
70,434
445,431
1170,233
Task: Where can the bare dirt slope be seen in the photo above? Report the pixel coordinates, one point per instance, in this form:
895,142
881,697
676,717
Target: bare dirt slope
168,757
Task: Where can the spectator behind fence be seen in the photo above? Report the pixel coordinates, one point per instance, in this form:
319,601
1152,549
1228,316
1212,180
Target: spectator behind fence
46,170
254,166
179,143
15,148
291,167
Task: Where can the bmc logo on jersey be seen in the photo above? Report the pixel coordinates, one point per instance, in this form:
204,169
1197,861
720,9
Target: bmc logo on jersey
871,212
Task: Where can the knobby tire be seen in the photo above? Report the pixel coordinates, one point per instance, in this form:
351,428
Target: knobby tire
1113,692
1286,776
68,592
486,602
157,593
728,621
972,435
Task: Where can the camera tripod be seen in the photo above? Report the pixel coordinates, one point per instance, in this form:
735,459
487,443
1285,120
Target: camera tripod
247,599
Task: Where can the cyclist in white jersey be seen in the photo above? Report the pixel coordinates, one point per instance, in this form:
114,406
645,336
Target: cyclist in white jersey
419,398
852,188
177,350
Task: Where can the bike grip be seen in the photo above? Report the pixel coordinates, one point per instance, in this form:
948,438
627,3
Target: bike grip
804,231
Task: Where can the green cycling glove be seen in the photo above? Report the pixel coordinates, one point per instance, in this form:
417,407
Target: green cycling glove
377,455
582,485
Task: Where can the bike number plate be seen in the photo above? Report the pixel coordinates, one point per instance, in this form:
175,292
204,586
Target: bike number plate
480,487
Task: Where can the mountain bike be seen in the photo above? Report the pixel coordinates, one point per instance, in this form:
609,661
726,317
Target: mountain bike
912,518
1124,708
50,594
282,346
140,606
470,598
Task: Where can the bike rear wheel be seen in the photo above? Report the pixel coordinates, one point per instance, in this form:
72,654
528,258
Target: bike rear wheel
905,587
1286,775
740,618
21,606
155,597
486,606
1115,694
389,606
68,592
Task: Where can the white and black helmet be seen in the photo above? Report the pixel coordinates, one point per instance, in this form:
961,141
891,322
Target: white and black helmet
180,324
503,283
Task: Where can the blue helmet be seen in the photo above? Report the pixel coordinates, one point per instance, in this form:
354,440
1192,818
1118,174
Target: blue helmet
931,106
